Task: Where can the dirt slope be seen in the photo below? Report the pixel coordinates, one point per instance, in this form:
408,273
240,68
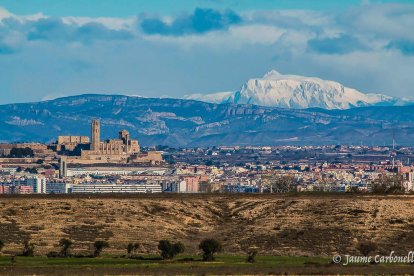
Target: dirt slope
280,225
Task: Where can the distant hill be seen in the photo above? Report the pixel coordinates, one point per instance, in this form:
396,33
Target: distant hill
178,122
291,91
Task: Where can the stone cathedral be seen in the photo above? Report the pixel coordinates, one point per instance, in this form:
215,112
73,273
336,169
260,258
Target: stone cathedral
110,148
124,149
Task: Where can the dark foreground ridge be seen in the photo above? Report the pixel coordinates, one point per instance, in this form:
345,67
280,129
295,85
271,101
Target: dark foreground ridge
224,265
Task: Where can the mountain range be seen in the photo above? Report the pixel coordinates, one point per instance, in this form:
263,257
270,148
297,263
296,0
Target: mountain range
180,122
291,91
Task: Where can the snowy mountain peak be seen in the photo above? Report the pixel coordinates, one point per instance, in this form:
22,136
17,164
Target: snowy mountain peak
292,91
273,74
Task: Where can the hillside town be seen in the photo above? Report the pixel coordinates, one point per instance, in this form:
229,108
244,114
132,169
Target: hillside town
79,164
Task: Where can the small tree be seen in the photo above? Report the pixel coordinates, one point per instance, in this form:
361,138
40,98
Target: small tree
132,248
65,245
366,247
170,250
164,247
178,248
387,184
28,249
251,254
99,246
1,245
279,183
209,248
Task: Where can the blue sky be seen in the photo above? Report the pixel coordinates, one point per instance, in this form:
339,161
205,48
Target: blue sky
53,48
116,8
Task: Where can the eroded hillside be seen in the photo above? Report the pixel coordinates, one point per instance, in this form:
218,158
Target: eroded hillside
280,225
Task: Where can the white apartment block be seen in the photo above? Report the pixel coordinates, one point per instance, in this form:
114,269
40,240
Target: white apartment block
38,183
116,188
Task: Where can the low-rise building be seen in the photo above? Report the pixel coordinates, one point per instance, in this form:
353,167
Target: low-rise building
116,188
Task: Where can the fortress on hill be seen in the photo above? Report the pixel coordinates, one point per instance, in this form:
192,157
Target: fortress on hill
124,149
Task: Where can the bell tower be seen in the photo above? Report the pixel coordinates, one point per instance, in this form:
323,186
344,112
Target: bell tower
96,135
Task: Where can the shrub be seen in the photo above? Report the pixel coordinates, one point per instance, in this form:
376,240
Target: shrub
65,245
53,254
132,248
366,247
31,170
170,250
99,246
81,255
209,248
251,254
28,249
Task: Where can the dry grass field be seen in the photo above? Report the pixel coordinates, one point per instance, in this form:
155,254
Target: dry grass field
290,225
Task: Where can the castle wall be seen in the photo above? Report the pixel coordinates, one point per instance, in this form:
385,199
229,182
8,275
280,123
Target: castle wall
73,140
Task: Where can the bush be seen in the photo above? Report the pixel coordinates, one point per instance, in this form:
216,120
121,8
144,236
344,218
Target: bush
366,247
251,254
99,246
53,254
31,170
65,245
80,255
209,248
132,248
170,250
28,249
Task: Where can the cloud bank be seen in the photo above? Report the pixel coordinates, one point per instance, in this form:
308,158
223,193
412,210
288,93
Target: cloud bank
368,47
201,21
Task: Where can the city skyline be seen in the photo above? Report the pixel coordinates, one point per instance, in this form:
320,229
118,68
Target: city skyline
53,49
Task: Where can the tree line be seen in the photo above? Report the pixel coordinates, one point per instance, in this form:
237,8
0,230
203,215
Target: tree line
20,153
168,249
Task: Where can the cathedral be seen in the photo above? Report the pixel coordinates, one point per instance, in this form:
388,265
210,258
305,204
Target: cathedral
113,148
123,149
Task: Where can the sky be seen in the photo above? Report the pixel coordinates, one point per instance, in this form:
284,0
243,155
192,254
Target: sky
161,48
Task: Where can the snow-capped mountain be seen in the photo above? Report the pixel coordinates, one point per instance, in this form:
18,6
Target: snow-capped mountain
291,91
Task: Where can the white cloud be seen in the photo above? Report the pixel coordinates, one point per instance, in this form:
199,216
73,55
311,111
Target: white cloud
4,13
111,23
218,60
391,21
32,17
235,38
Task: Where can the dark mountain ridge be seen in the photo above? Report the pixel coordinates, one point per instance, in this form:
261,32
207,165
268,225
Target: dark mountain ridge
179,122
